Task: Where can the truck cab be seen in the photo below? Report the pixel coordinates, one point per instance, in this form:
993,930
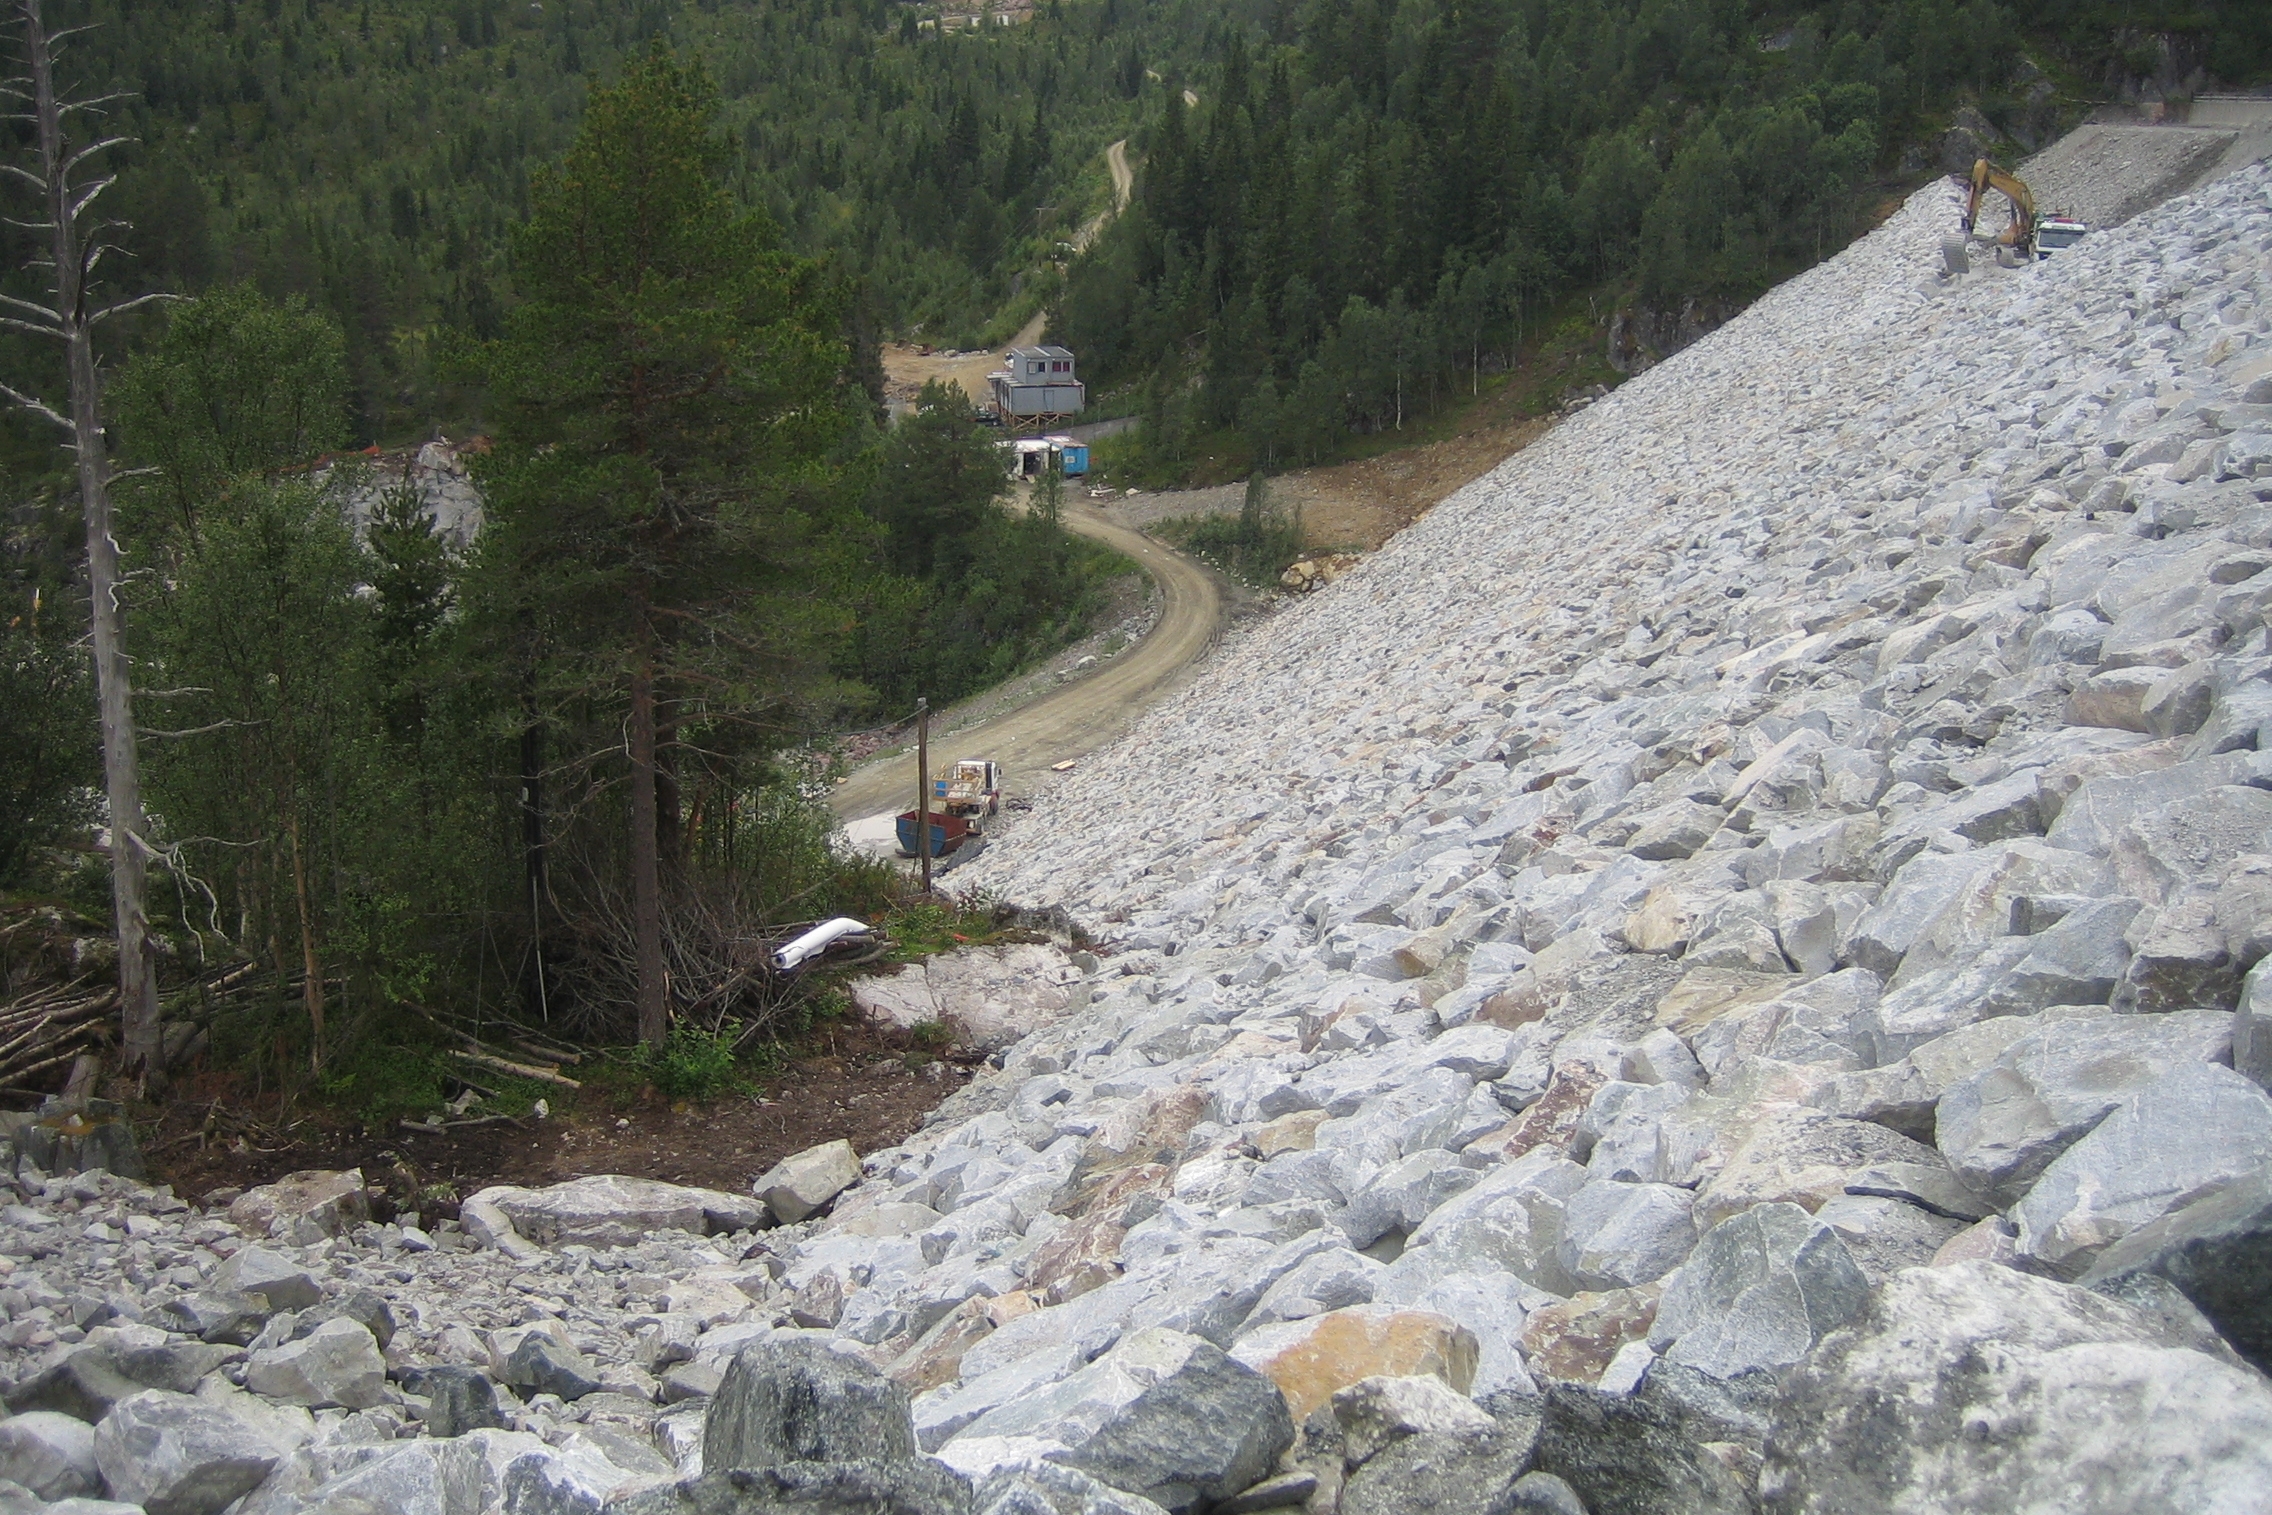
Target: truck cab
2057,234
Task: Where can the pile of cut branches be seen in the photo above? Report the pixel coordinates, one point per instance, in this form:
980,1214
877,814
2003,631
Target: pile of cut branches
48,1027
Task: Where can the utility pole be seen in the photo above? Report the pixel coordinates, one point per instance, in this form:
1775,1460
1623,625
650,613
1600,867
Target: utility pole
71,255
923,788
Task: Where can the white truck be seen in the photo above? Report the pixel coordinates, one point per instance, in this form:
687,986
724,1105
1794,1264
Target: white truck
968,787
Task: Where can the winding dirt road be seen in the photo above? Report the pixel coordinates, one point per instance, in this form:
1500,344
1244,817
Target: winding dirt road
1076,719
1123,184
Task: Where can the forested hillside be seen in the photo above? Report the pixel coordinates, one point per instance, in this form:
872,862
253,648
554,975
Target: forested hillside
370,154
557,766
1456,167
1378,197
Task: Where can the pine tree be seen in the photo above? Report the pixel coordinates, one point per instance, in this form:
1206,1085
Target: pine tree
668,367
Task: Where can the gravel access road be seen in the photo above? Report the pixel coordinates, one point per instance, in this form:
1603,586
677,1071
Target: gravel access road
1076,719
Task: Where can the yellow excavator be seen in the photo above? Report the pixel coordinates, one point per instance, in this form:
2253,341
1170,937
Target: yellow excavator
2020,235
2028,237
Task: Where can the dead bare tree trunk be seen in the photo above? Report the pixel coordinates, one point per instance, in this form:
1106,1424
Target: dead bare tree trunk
646,871
68,200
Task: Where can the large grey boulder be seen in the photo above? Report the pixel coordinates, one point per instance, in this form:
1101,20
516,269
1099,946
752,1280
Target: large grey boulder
1473,1471
176,1455
2180,1137
1915,894
801,1183
1332,1279
1975,1387
1405,1193
218,1316
351,1474
1624,1125
303,1208
1803,1156
610,1210
2093,815
793,1400
458,1400
587,1472
945,1411
1626,1455
1163,1414
114,1362
284,1283
362,1306
336,1364
1511,1221
49,1453
1883,1235
2217,1251
1048,1488
810,1488
1759,1291
2001,1127
1617,1235
2180,961
542,1363
2159,853
84,1385
1374,1414
2252,1025
2079,959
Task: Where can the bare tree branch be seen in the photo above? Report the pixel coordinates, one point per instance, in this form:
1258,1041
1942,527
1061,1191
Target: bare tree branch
37,407
87,197
92,148
207,730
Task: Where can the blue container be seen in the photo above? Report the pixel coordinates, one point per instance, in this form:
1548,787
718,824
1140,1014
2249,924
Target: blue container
947,833
1074,459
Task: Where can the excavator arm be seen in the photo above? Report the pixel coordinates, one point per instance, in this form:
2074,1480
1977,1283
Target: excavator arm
1987,176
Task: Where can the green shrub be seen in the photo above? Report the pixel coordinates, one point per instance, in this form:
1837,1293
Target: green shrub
1255,545
692,1063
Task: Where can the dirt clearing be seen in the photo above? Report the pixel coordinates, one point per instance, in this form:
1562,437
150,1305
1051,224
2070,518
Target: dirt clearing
850,1082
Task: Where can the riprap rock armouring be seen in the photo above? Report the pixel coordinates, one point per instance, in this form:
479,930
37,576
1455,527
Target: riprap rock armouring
1707,972
1800,820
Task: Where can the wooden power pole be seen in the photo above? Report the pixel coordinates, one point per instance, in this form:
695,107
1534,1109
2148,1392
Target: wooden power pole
923,788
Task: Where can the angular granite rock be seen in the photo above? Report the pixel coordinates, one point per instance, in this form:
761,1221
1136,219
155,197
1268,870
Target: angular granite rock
1759,1291
1975,1387
1163,1414
2001,1127
2175,1140
1312,1360
176,1455
2217,1251
794,1400
801,1183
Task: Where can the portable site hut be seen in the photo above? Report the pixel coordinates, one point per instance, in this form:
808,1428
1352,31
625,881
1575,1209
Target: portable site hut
1031,457
1038,385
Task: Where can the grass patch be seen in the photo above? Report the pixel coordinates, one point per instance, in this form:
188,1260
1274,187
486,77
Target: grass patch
380,1083
920,928
1254,546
